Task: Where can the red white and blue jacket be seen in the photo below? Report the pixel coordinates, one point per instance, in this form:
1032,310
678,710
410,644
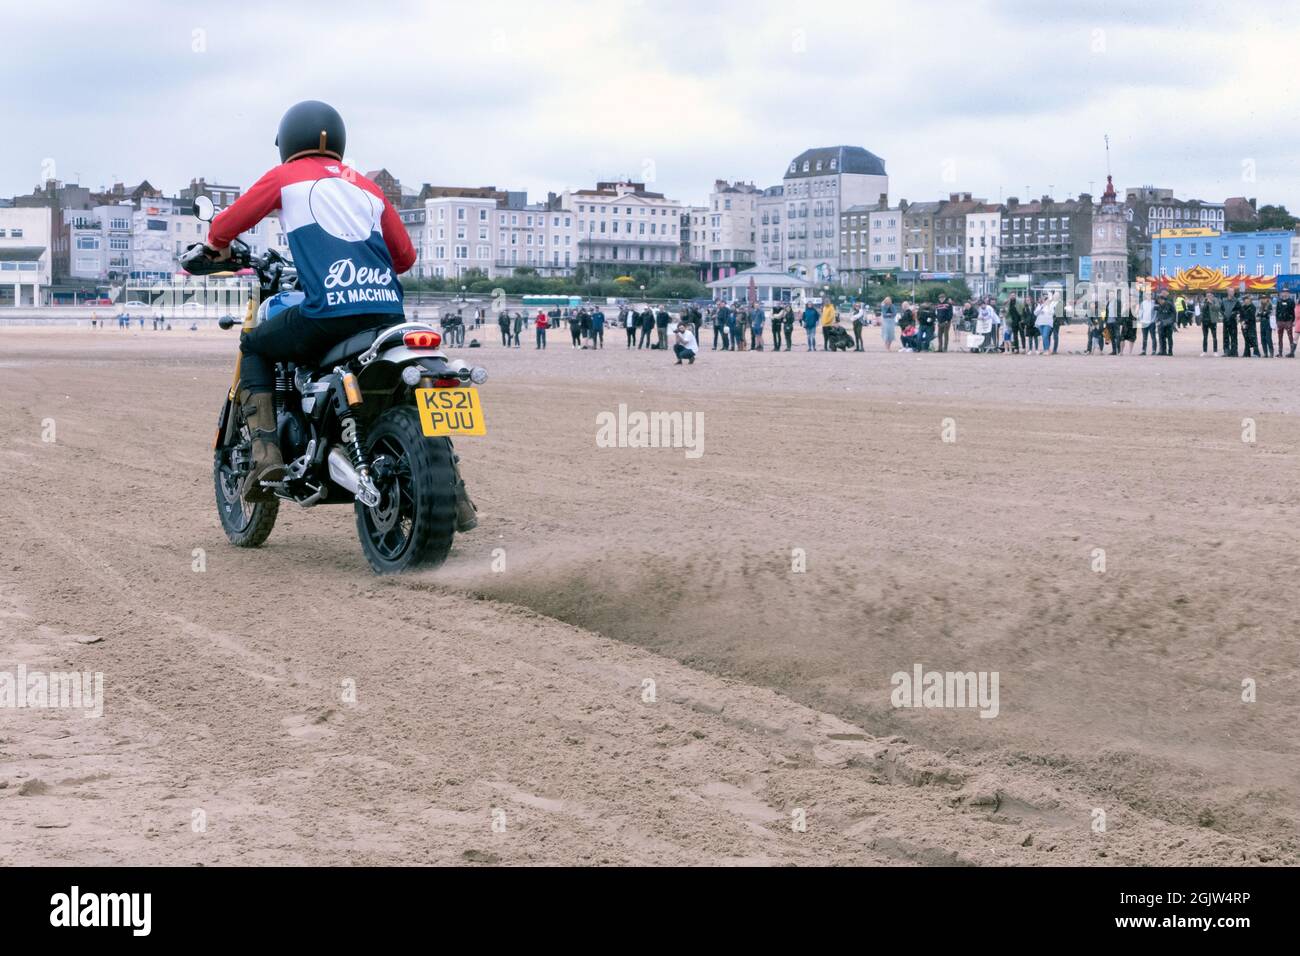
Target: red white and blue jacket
346,239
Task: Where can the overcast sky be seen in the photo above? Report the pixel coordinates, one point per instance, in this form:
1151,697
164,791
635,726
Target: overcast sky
993,98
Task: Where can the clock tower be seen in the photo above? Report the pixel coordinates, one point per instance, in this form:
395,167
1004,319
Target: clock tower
1109,242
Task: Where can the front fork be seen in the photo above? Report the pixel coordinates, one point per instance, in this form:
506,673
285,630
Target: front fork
226,423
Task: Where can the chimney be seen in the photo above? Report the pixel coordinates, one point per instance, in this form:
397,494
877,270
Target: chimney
883,202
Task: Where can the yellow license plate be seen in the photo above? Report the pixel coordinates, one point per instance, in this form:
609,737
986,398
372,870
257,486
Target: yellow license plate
450,411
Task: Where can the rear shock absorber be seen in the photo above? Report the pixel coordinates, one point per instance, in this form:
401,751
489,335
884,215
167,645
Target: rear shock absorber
347,398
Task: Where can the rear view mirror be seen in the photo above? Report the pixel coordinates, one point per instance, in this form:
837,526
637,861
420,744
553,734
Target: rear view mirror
204,208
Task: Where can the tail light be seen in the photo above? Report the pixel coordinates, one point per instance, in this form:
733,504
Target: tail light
422,340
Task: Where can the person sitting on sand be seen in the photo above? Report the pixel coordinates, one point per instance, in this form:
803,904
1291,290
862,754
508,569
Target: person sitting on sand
909,331
684,343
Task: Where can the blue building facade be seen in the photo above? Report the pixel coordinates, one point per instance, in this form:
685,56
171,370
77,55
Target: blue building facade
1263,254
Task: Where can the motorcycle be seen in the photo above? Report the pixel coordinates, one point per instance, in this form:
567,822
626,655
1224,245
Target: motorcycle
370,424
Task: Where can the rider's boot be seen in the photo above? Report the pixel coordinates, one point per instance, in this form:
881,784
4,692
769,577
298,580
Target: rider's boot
466,513
259,413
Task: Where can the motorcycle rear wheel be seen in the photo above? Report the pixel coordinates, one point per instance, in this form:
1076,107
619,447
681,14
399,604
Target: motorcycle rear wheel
414,524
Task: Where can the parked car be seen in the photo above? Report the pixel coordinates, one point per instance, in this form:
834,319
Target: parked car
136,304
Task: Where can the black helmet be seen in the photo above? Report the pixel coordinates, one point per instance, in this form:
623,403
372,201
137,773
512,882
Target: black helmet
311,127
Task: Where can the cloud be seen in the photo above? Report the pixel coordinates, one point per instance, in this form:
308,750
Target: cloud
981,97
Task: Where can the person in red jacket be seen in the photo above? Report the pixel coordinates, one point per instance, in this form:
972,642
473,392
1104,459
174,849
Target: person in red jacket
348,245
542,323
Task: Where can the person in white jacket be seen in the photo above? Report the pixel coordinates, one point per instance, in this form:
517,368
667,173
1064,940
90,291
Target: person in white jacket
1147,323
1043,319
986,324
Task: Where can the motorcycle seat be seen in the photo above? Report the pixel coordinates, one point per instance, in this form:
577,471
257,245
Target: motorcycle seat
350,347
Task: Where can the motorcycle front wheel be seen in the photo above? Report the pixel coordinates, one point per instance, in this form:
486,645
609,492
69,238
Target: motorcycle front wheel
246,525
414,523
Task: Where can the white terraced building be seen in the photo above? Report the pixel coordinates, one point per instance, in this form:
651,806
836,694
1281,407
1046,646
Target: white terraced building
464,229
25,270
819,184
622,227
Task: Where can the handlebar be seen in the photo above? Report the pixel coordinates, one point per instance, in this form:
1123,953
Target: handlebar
271,268
198,259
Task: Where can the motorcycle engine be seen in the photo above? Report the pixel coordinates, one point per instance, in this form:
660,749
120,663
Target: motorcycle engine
293,437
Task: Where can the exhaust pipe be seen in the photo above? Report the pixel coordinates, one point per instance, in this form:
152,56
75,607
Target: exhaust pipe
344,475
341,470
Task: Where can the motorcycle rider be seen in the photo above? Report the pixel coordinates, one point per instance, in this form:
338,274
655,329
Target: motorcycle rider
348,244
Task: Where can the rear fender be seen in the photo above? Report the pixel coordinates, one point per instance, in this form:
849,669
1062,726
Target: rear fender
381,380
385,371
401,355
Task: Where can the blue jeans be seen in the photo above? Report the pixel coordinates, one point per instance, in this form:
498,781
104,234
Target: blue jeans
1045,331
812,337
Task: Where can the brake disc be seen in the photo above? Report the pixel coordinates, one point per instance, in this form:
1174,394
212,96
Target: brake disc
385,513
